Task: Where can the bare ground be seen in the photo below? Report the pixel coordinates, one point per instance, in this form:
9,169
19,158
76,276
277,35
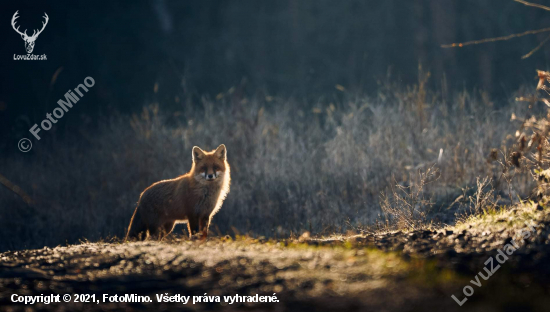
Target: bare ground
399,271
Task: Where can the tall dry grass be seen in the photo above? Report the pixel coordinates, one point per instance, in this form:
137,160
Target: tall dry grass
320,166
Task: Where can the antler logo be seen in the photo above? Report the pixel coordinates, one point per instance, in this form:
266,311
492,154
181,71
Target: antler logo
29,40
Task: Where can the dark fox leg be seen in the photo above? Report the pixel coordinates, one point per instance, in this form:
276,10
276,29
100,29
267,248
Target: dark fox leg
204,223
155,233
167,228
137,229
192,225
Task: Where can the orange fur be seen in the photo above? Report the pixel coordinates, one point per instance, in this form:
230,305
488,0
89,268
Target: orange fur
193,197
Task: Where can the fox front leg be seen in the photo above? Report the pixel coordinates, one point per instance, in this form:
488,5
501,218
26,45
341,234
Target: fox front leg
192,226
204,222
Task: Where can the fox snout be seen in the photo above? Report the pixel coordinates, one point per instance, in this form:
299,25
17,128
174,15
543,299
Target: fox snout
211,176
214,175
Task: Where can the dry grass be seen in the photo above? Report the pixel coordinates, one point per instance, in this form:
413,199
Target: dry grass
407,207
296,166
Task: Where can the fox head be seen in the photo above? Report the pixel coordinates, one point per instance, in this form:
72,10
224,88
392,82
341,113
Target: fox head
210,166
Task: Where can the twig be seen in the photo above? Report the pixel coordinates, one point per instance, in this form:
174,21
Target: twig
536,5
17,190
504,38
535,49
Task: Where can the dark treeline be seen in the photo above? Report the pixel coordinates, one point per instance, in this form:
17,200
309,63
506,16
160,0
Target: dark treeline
298,48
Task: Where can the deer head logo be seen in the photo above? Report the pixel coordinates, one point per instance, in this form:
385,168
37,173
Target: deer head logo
29,40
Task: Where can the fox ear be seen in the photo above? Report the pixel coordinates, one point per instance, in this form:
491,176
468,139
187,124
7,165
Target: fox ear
221,152
198,154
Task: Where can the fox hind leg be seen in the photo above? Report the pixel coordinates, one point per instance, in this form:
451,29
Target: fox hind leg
167,228
137,231
139,234
155,233
137,228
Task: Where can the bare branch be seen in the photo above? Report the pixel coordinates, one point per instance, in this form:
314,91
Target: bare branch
535,49
536,5
504,38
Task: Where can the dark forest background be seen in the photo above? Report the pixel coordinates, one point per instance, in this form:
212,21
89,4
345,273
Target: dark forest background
298,48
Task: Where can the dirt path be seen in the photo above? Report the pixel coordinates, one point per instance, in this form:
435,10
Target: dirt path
414,271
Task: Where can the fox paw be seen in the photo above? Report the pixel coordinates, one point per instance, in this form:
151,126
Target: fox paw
198,237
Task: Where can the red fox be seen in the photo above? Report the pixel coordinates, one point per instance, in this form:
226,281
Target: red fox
193,197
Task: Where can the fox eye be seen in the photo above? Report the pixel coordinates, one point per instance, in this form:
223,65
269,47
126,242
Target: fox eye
216,168
203,169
